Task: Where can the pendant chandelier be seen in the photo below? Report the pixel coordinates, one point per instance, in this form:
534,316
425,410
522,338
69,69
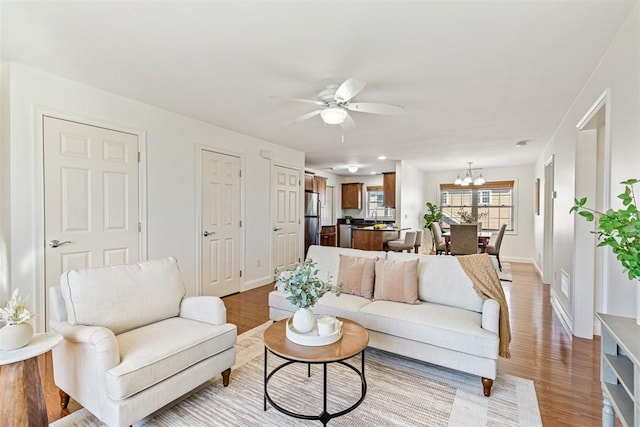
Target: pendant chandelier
468,177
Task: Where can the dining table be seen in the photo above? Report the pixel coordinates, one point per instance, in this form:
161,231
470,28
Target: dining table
483,240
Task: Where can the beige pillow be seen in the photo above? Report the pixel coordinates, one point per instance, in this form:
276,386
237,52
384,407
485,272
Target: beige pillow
397,281
356,275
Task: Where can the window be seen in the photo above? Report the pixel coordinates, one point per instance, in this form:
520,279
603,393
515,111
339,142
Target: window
492,203
375,203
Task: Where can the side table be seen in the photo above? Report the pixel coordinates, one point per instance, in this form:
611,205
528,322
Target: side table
21,395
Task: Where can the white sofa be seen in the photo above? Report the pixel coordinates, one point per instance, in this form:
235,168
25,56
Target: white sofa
133,342
451,326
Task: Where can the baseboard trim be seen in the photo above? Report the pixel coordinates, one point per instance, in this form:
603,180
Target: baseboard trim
565,318
256,283
517,259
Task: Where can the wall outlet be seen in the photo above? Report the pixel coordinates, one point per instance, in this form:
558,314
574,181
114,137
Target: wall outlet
258,263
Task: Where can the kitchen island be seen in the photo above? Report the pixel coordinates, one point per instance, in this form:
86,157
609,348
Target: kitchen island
373,239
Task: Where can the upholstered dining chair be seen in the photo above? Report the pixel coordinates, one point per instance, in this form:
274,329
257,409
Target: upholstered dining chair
464,239
401,245
493,247
440,244
418,243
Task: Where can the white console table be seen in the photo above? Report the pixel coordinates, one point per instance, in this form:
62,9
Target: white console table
620,370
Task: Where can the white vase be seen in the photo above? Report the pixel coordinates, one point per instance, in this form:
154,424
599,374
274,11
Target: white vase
13,337
304,320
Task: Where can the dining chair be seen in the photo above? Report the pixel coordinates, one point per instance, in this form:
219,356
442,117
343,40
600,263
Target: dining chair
493,247
441,245
464,239
401,245
418,243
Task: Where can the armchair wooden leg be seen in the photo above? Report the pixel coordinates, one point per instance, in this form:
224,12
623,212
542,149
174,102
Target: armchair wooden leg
486,386
64,399
226,375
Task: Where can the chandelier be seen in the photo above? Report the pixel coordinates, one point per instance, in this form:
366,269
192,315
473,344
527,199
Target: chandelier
468,177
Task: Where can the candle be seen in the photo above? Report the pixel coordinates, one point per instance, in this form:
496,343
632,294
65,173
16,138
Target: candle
326,325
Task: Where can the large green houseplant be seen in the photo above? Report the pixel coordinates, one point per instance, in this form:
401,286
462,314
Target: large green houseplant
619,229
433,215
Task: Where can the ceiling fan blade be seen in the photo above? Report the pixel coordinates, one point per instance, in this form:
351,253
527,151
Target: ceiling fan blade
305,116
348,124
308,101
350,88
375,108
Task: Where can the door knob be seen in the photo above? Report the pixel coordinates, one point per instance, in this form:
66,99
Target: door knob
56,243
276,229
207,233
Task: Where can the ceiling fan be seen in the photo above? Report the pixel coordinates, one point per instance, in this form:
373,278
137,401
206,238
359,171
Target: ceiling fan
335,102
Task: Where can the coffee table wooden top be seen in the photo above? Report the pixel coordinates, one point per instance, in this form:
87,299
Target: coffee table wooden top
354,339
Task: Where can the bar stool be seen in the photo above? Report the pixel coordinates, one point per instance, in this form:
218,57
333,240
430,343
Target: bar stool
401,245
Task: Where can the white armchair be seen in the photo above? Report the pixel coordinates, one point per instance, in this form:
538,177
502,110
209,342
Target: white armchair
132,342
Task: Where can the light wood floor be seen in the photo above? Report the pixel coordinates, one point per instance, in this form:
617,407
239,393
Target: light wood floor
565,370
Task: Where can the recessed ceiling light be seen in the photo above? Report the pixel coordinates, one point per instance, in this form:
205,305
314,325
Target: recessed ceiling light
522,143
374,173
352,169
382,157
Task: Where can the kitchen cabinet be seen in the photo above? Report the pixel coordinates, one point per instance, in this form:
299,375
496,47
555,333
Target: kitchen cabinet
320,185
352,195
309,182
389,188
328,235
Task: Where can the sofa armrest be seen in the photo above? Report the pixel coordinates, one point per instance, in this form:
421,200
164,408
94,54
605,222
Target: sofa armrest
102,340
204,309
491,316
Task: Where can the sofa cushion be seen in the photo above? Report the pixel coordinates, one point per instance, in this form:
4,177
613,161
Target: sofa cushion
92,296
442,280
345,305
439,325
356,275
396,280
153,353
327,259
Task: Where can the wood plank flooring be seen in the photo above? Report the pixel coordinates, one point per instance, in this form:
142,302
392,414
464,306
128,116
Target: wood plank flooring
565,369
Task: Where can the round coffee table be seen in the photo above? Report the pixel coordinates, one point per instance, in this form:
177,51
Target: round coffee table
353,342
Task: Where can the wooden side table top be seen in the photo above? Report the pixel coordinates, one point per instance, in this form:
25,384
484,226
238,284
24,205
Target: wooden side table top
354,339
39,344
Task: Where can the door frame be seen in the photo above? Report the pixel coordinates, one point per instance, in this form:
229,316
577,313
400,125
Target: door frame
198,196
40,112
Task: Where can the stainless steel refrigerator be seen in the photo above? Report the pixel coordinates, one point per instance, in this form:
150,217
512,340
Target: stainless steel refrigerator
311,220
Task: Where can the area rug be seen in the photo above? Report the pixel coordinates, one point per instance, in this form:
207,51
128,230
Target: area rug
401,392
505,274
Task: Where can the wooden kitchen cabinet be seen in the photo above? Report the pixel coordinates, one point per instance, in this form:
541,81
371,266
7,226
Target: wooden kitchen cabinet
320,184
352,195
309,182
389,188
328,235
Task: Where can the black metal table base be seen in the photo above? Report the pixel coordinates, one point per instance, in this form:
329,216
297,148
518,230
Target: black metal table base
324,416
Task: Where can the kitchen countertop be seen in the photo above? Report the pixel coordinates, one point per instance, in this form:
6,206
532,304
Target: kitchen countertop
370,228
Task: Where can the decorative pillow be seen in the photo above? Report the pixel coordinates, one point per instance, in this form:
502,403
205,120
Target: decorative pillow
356,275
397,281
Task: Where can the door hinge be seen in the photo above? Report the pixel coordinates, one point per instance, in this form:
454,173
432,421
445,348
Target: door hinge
240,173
240,222
240,273
139,157
139,227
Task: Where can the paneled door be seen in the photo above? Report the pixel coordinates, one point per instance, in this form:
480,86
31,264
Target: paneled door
91,197
286,217
220,228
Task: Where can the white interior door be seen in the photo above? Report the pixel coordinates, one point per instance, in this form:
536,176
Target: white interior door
91,197
220,228
286,217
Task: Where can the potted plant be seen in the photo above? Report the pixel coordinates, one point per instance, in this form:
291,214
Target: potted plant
304,289
347,219
17,332
433,215
619,229
468,217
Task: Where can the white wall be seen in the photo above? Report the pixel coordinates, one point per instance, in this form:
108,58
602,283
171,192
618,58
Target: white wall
410,181
619,71
517,245
172,142
368,180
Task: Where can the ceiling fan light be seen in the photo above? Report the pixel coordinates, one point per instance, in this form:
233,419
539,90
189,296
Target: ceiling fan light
352,169
333,115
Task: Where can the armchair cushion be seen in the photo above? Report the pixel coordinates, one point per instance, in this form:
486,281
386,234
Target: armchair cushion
91,294
158,351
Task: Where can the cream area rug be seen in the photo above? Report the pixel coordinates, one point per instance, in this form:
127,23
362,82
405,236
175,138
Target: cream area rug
400,392
505,274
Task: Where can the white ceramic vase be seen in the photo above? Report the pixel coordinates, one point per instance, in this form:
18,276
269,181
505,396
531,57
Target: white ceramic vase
13,337
304,320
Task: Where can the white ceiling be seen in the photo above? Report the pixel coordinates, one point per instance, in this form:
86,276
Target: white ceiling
474,77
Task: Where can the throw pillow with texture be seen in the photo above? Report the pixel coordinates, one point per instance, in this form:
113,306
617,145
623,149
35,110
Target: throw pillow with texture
356,275
396,281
